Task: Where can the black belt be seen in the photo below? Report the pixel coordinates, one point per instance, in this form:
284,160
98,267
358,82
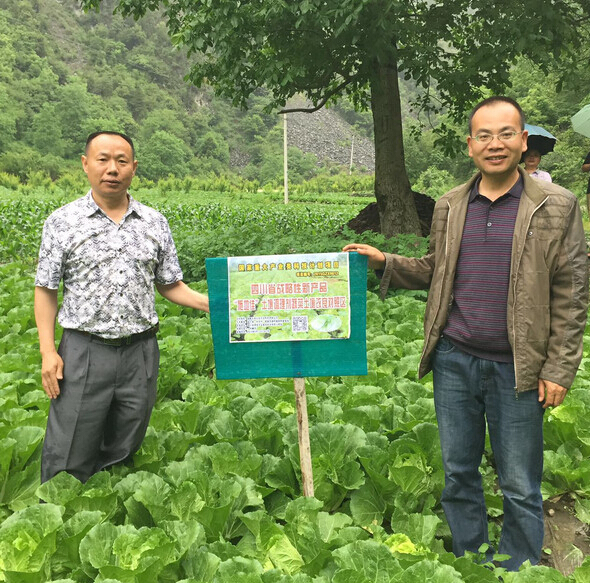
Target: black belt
123,340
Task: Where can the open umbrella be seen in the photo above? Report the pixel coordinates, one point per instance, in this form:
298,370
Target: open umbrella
581,121
540,139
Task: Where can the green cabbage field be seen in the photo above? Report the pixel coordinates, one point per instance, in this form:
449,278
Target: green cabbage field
214,493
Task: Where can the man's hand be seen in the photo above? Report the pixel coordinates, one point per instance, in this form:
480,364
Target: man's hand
552,393
52,369
376,257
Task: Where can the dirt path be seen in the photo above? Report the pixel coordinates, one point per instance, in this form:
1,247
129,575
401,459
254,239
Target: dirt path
566,538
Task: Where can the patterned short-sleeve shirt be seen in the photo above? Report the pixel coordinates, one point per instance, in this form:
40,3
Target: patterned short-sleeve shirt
108,269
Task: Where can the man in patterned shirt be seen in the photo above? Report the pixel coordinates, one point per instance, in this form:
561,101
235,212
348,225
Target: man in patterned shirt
109,250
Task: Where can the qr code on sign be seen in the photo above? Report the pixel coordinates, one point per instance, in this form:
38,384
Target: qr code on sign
299,324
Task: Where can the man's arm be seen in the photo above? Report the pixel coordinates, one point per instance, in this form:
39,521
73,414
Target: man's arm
586,167
180,293
568,310
51,363
398,270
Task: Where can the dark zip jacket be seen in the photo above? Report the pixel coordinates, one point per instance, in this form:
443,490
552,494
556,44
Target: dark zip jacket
548,293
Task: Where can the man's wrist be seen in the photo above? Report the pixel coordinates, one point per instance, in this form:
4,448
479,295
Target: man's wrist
47,351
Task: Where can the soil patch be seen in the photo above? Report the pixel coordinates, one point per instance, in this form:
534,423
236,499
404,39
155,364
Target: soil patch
368,218
567,538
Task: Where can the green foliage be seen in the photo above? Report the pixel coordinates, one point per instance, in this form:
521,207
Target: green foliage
72,184
9,181
128,77
304,61
333,49
46,135
552,109
434,182
207,229
163,154
167,120
214,493
23,161
355,184
21,223
213,145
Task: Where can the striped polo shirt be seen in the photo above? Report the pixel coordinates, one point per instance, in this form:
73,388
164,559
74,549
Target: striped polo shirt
477,319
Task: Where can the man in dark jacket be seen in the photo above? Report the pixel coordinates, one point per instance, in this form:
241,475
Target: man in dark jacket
504,323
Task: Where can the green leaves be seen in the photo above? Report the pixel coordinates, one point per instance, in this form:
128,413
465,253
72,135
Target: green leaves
28,538
334,453
214,492
126,553
365,561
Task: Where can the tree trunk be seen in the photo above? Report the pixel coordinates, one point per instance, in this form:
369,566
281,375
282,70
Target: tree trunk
397,210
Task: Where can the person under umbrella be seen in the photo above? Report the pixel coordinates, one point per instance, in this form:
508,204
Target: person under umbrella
539,143
532,159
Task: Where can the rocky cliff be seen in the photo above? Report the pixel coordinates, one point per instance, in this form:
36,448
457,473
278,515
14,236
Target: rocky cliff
328,136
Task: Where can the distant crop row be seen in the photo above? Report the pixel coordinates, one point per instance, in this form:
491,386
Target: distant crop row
203,227
21,221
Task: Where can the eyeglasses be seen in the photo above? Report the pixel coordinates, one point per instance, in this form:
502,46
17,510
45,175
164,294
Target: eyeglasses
487,138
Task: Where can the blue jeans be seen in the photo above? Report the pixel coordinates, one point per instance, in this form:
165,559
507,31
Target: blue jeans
467,391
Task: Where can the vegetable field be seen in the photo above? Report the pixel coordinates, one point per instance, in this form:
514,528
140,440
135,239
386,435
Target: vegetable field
214,493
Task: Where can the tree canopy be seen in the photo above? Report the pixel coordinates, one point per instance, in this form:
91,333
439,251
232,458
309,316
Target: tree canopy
64,73
457,51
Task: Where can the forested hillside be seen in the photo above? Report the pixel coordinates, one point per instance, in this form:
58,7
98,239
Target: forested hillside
65,73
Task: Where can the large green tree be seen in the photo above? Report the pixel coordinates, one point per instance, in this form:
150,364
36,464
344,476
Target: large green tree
163,154
455,50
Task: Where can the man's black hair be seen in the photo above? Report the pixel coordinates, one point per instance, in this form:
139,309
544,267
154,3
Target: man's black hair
498,99
108,132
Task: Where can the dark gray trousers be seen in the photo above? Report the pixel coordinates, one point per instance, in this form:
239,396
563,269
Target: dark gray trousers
103,410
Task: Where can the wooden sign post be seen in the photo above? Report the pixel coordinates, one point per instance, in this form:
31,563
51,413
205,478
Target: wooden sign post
303,432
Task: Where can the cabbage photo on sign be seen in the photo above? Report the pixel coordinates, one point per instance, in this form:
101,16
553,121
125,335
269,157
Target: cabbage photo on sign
289,297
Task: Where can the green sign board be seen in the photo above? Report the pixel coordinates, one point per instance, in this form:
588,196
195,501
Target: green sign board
288,315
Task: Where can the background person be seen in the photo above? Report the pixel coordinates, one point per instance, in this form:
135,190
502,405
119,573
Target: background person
532,159
109,250
504,323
